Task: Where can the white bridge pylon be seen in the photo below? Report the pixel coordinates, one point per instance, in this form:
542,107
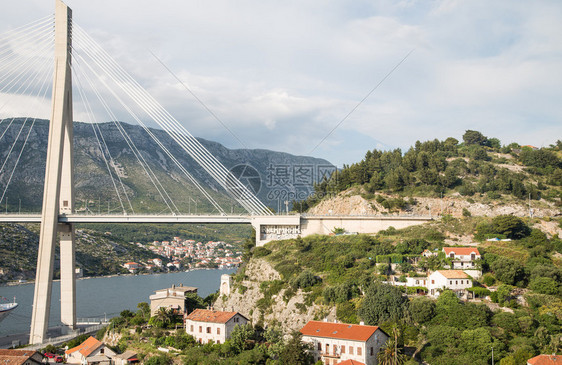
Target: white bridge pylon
58,197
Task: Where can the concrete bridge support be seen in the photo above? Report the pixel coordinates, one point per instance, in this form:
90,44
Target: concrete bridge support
280,227
58,195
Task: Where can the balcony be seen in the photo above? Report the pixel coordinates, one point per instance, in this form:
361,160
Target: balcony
333,355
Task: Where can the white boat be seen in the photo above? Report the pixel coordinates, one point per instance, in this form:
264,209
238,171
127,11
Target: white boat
6,308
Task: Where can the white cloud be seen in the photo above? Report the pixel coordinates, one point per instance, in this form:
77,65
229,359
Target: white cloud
282,75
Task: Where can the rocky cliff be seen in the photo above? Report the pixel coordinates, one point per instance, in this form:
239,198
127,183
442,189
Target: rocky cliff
254,295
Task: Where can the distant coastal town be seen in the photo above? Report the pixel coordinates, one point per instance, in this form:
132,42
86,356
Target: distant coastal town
185,254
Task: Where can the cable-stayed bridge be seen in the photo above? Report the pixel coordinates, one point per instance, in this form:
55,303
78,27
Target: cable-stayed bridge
26,71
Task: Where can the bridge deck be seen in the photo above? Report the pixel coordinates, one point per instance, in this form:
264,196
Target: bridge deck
140,218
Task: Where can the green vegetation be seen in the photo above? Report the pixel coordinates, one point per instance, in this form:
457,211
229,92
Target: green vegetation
97,253
479,165
248,344
347,272
145,233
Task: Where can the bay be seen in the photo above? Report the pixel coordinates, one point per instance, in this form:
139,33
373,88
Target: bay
104,296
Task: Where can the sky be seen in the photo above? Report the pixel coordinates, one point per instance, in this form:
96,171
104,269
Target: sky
282,75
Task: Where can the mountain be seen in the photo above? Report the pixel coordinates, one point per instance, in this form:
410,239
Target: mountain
274,176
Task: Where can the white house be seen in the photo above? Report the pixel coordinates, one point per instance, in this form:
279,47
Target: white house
462,257
210,325
126,358
170,298
456,280
132,266
333,343
427,253
90,352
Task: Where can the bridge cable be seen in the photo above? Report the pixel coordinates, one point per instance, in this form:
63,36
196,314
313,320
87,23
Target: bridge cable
127,137
92,118
19,79
30,57
152,176
168,153
128,140
7,45
149,132
23,28
19,133
187,141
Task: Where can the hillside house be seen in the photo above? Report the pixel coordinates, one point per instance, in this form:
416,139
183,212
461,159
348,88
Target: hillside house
20,357
427,253
333,343
210,325
545,360
132,266
126,358
456,280
90,352
171,298
350,362
462,257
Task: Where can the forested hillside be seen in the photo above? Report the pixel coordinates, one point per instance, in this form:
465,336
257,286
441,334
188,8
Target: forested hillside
518,305
479,166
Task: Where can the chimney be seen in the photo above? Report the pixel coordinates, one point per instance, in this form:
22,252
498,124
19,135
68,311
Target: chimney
362,323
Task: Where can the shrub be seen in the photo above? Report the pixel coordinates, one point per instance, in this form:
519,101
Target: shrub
488,279
544,286
260,252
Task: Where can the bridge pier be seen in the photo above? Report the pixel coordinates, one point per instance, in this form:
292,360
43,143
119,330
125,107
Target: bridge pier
58,195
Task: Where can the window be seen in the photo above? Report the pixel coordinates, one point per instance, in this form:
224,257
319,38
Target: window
319,346
327,348
343,349
65,203
351,350
450,282
101,350
191,328
452,255
208,329
473,256
372,351
456,282
417,282
359,350
432,281
218,342
218,331
200,329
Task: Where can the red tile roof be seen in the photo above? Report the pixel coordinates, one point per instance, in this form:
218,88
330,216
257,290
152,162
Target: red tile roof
350,362
545,360
86,347
461,250
343,331
16,357
205,315
454,274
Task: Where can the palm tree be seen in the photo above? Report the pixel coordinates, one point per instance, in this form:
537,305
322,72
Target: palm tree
163,315
390,354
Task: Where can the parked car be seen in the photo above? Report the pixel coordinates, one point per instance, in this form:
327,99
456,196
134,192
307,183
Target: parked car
55,357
